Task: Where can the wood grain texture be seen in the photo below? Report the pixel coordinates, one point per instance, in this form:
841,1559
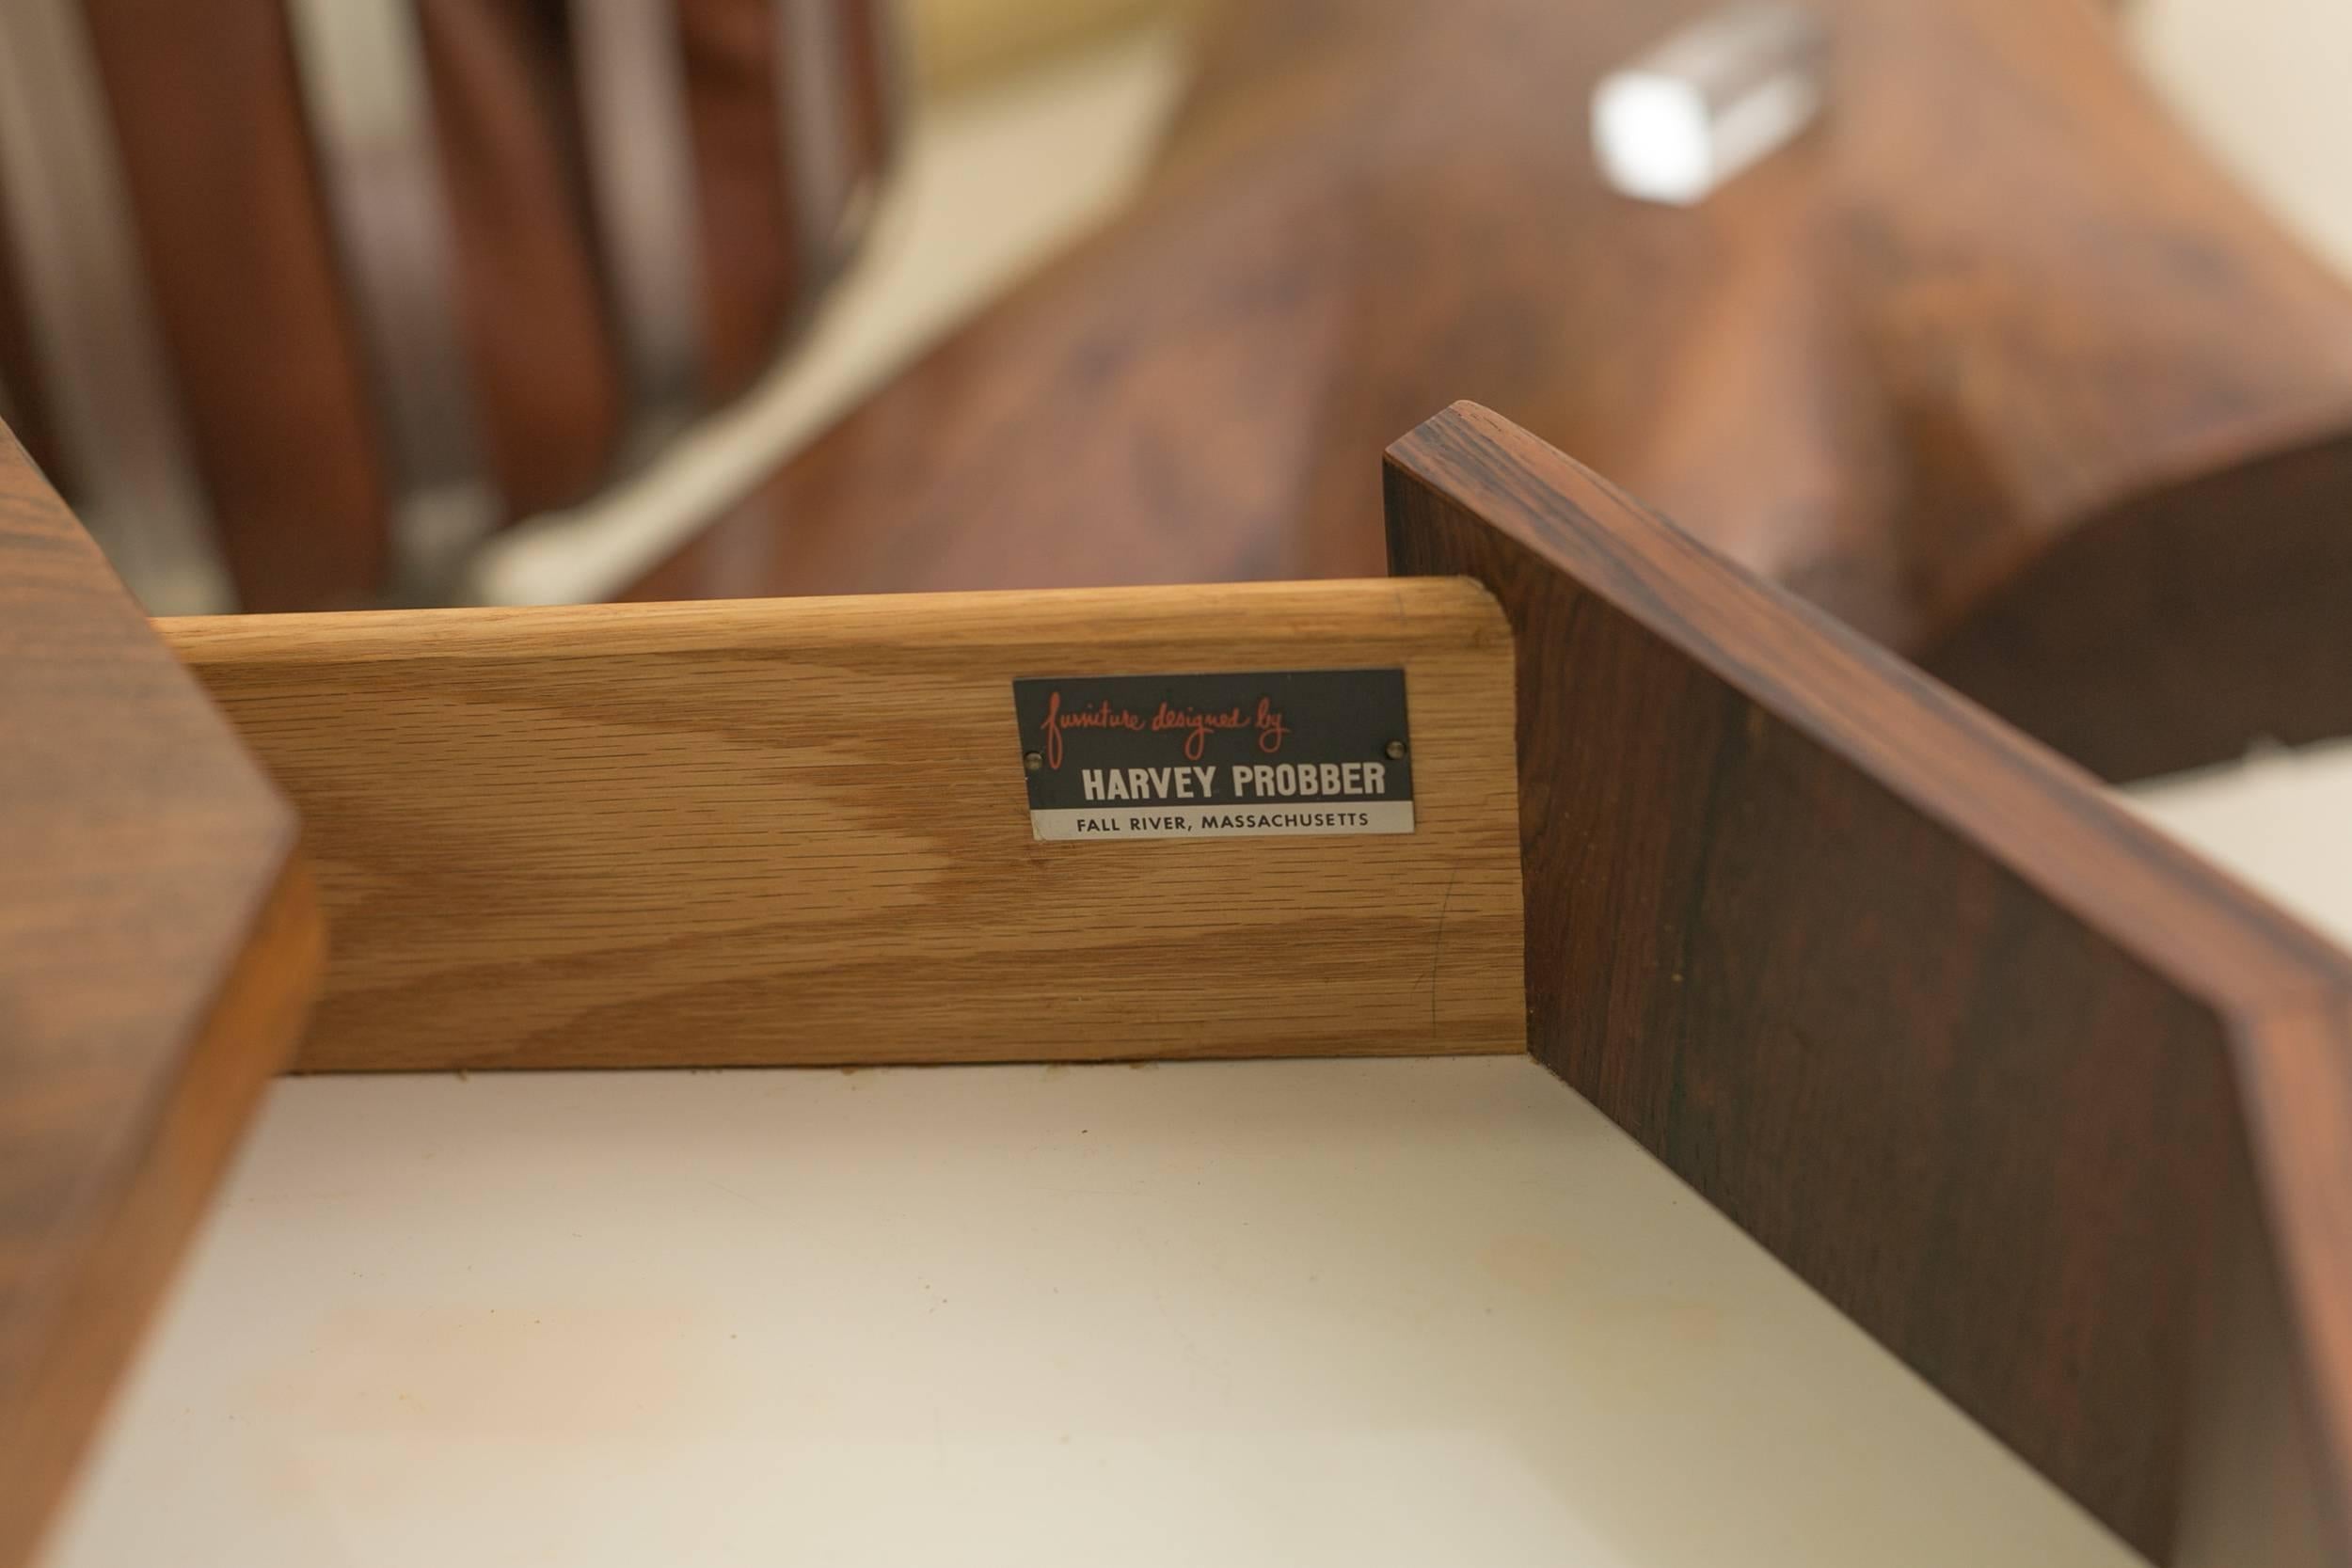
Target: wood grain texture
2171,629
2053,1109
798,832
157,948
1995,298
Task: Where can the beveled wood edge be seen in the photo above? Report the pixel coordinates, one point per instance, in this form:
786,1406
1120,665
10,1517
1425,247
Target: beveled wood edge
172,946
2293,1076
985,619
193,1124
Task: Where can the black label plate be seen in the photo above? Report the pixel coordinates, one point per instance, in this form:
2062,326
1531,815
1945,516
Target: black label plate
1230,755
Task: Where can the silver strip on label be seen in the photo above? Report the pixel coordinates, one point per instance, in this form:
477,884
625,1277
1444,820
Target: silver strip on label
1242,819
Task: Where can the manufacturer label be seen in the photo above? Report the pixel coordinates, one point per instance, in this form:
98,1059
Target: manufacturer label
1257,754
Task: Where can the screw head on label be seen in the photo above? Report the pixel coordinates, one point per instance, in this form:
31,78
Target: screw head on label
1031,762
1395,748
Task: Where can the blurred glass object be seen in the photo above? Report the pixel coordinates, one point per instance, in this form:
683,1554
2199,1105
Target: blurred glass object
1710,100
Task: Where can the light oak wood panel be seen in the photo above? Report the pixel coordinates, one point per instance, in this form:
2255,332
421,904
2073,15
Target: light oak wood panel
797,831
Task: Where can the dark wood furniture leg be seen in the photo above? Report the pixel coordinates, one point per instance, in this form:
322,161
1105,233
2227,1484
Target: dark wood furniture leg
2057,1112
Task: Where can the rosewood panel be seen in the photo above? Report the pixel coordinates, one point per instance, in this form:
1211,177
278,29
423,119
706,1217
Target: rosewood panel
2047,1105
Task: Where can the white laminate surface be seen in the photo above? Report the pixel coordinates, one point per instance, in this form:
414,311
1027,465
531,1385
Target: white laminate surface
1354,1313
